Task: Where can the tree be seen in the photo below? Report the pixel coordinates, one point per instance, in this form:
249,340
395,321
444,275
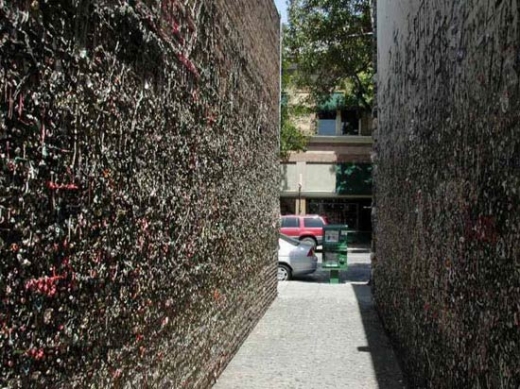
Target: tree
331,43
291,138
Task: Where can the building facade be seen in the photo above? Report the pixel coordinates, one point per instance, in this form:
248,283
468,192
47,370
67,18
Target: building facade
333,176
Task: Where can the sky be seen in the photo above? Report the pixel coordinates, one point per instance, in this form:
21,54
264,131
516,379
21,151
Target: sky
282,8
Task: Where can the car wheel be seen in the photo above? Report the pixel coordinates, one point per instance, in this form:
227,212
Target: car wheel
310,240
284,273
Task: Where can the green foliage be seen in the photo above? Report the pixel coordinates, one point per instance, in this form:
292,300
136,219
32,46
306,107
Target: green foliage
331,43
291,139
361,92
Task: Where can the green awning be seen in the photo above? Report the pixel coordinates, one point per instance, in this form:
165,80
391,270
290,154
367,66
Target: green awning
333,103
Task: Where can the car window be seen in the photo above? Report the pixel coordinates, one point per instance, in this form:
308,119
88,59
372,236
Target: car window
290,222
312,222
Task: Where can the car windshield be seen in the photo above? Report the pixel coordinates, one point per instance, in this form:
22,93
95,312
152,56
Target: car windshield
292,241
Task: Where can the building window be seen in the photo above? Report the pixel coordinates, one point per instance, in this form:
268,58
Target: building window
350,122
287,206
356,213
326,122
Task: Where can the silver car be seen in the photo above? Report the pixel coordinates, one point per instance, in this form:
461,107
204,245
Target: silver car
295,258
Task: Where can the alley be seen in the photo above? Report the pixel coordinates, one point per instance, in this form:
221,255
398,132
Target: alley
318,336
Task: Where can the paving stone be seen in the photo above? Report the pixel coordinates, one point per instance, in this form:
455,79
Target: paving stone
318,336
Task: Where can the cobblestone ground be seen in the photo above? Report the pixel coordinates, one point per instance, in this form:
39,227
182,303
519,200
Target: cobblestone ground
318,336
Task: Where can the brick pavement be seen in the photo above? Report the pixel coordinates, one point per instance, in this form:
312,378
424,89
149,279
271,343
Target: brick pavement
318,336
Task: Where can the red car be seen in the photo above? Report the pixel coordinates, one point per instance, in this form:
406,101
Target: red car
307,228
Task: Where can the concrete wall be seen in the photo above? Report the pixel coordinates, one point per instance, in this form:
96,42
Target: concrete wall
138,146
326,179
448,217
289,177
320,177
313,177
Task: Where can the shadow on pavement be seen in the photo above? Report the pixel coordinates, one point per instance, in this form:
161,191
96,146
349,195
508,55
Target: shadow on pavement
386,366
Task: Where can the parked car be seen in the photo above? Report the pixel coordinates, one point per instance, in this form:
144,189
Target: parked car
295,258
307,228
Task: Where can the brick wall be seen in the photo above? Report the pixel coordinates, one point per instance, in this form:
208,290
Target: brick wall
447,186
138,188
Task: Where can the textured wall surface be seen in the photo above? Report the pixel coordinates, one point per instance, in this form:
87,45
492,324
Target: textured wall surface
447,187
138,188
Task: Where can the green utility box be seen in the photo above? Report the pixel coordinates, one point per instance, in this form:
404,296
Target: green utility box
335,250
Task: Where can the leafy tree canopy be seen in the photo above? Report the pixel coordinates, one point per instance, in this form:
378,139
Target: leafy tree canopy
291,139
330,41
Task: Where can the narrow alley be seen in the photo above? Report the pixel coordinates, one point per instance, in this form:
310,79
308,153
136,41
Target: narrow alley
164,163
317,336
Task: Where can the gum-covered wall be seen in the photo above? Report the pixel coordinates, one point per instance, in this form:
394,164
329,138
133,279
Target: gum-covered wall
138,188
447,185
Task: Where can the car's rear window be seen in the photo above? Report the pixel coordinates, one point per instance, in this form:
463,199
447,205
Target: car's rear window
312,222
291,222
289,240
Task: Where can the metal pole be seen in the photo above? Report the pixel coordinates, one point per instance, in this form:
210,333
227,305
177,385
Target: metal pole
299,198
